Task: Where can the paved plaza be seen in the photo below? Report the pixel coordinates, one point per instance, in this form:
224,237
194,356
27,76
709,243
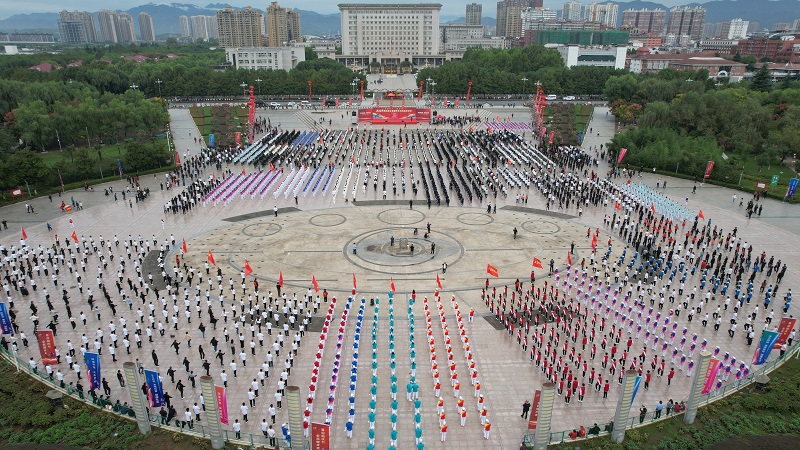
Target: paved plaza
353,234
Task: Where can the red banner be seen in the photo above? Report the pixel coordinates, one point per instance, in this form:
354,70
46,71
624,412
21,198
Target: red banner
709,168
711,375
491,270
238,138
784,330
222,403
47,347
320,436
177,159
622,153
394,115
534,417
17,193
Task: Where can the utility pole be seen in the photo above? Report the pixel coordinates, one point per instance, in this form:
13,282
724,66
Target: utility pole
59,141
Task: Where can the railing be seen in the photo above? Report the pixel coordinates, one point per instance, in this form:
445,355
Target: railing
636,421
176,426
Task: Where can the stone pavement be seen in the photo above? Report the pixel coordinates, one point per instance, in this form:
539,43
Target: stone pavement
317,239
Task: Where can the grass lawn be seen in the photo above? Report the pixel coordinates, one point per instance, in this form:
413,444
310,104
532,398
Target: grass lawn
109,152
725,424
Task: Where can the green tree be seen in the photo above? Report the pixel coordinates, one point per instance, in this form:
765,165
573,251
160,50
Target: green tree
762,80
620,87
144,156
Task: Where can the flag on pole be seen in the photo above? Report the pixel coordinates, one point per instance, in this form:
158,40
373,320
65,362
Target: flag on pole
211,259
247,269
280,279
438,281
74,237
537,263
354,280
391,284
569,258
617,206
24,234
653,207
243,172
700,215
594,241
314,283
491,270
184,247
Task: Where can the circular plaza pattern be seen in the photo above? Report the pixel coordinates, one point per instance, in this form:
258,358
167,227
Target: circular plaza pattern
312,238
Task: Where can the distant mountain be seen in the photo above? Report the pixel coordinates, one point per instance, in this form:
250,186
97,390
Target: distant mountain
35,21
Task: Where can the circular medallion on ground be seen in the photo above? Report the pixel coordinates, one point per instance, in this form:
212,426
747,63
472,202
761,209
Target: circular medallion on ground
475,219
327,220
401,216
405,255
261,229
541,227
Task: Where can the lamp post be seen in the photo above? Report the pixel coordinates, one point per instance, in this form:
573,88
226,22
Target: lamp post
309,91
259,80
353,84
432,84
244,88
524,83
134,86
427,88
158,82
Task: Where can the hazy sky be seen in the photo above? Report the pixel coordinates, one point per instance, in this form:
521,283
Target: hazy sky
449,7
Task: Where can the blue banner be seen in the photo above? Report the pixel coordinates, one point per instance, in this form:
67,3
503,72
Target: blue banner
92,369
155,393
211,140
768,339
119,164
792,187
636,388
5,320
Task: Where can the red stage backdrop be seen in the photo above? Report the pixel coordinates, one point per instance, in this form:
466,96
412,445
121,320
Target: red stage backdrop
391,115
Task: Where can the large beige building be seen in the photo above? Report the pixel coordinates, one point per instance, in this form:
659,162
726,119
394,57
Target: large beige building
509,16
390,35
108,30
283,25
266,58
605,14
146,30
239,28
474,13
77,27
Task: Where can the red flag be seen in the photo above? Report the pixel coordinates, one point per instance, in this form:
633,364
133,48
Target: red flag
280,279
74,237
391,283
617,205
594,240
184,247
243,172
24,234
314,283
537,263
353,159
491,270
271,167
569,258
247,269
211,259
354,280
653,207
701,215
438,281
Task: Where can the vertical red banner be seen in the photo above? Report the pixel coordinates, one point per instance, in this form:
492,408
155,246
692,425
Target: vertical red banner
784,330
238,138
711,375
47,347
222,403
709,168
534,417
320,436
177,159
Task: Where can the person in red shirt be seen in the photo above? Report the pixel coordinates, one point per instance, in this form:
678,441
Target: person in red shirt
670,375
647,378
606,388
443,429
581,392
486,428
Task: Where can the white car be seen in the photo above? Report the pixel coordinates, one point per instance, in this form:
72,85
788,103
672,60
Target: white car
291,104
569,98
275,105
552,97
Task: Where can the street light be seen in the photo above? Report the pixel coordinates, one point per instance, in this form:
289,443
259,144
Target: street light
353,84
158,82
134,86
244,88
432,84
259,80
524,81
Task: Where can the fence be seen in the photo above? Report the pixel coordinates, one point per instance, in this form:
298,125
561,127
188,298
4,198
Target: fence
177,426
636,420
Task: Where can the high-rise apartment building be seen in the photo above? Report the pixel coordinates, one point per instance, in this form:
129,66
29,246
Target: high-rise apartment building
572,10
239,28
645,21
474,13
198,29
212,29
184,26
77,27
686,20
108,29
509,16
735,29
283,25
123,23
146,30
605,14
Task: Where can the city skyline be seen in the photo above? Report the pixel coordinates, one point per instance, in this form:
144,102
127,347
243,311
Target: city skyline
454,8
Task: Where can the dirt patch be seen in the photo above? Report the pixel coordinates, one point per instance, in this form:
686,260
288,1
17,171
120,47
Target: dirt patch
759,442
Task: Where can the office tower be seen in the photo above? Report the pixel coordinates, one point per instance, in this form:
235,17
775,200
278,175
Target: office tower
146,30
735,29
283,25
645,21
184,26
686,20
474,13
509,16
605,14
239,28
389,31
572,10
77,27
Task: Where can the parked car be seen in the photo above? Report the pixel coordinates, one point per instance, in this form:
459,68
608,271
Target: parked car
569,98
291,104
275,105
552,97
